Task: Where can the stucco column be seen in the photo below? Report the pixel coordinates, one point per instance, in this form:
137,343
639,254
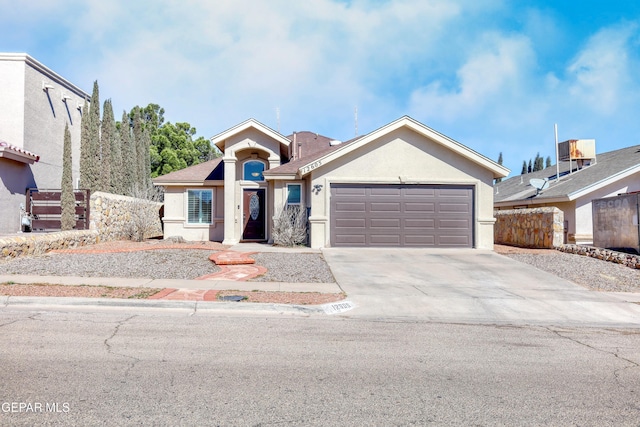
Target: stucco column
230,205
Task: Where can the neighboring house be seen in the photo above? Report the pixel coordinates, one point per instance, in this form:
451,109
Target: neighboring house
401,185
34,106
605,175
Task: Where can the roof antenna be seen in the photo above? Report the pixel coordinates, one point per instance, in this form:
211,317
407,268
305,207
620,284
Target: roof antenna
356,119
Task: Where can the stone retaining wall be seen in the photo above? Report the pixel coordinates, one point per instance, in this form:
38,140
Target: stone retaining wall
530,228
112,217
120,217
630,260
40,243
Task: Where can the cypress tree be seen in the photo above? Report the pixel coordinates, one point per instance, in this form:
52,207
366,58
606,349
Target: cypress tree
67,197
129,162
139,143
530,168
115,160
499,162
107,136
548,164
85,149
524,167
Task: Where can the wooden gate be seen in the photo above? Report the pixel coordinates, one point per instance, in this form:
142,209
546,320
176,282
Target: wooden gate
46,211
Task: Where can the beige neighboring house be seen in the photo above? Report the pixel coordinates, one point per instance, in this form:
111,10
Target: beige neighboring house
581,181
401,185
35,104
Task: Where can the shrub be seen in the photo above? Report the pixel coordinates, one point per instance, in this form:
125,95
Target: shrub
290,226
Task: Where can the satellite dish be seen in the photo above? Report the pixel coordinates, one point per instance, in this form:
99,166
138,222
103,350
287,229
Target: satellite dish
539,184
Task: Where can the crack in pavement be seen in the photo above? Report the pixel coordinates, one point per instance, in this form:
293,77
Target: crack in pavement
616,373
110,350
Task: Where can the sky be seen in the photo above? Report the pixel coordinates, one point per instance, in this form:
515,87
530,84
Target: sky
493,75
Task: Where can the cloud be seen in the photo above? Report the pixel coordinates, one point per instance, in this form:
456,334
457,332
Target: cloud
599,76
495,73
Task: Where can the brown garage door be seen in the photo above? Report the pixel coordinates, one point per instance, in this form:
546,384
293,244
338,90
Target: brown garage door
401,215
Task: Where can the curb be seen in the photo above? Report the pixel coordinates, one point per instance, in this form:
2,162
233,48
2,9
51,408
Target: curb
189,307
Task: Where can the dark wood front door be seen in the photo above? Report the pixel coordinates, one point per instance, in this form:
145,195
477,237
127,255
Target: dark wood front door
253,215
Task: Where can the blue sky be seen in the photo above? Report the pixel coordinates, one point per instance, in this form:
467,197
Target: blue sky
494,75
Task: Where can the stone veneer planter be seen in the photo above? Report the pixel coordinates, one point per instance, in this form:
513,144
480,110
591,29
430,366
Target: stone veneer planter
40,243
530,228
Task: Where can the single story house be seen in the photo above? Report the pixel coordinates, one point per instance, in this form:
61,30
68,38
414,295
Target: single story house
403,184
580,182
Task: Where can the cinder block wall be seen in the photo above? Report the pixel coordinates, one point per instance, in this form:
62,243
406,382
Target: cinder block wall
530,228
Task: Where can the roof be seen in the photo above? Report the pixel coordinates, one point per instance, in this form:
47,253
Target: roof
211,170
18,154
608,168
219,140
307,164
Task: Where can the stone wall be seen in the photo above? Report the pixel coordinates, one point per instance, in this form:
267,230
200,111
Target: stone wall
117,217
530,228
40,243
112,217
630,260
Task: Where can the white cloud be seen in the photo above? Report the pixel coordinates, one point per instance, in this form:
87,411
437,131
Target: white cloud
599,76
496,72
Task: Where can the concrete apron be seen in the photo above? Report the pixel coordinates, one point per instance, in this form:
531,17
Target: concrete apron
465,285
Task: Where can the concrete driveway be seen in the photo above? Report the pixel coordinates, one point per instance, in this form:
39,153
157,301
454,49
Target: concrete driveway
470,286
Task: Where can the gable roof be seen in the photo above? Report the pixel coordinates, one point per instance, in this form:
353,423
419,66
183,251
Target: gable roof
219,139
211,170
304,165
609,168
18,154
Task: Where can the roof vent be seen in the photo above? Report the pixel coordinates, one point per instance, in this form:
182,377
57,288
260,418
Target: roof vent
334,142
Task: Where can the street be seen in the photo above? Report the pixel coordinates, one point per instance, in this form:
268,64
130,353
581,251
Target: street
135,366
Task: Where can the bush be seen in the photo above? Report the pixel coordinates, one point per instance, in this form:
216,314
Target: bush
290,226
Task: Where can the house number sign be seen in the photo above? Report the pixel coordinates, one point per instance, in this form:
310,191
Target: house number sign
311,166
254,206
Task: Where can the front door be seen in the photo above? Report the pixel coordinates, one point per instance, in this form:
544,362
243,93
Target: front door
253,214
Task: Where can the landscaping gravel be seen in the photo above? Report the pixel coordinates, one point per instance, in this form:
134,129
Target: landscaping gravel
167,264
591,273
293,267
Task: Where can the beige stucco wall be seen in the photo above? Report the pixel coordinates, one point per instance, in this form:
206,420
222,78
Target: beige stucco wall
175,215
34,120
239,148
403,156
578,214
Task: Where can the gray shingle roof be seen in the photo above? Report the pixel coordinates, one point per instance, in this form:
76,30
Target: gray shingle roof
607,165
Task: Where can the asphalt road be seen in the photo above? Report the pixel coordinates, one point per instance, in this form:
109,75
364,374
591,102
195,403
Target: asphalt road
123,366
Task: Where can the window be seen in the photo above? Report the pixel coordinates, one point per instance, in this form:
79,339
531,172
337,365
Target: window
253,171
199,206
294,194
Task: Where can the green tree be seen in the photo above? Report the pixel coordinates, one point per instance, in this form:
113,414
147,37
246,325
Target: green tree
548,162
67,197
173,148
94,139
499,162
116,176
530,168
538,164
107,142
524,167
129,161
86,166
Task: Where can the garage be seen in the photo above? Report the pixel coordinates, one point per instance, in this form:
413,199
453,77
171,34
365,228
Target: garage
400,215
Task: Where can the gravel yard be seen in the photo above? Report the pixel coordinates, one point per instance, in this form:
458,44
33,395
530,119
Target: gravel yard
588,272
167,264
291,267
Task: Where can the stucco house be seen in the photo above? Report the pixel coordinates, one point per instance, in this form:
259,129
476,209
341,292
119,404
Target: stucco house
403,184
592,177
35,104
